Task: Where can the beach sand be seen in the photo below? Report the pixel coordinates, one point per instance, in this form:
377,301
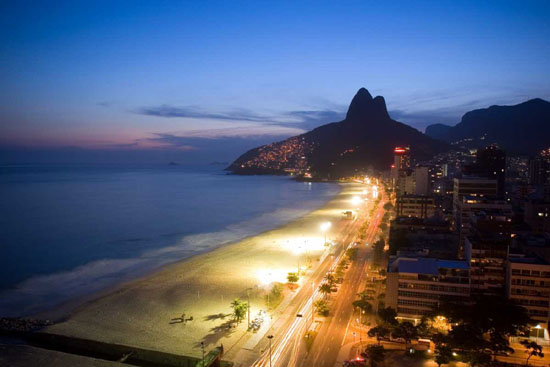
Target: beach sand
138,313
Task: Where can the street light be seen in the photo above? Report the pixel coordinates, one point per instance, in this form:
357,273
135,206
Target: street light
270,337
324,228
202,348
248,305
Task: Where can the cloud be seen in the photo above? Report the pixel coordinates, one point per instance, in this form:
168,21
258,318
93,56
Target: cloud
314,118
105,103
300,119
196,112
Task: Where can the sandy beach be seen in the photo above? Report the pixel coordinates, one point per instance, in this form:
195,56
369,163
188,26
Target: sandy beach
138,313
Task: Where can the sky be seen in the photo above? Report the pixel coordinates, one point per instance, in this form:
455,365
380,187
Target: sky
207,80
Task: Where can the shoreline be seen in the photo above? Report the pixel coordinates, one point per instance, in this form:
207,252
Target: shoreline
56,293
202,286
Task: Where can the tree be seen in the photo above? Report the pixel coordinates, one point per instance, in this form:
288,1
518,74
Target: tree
330,279
388,206
379,332
378,251
325,288
532,349
486,325
362,304
443,354
405,330
495,314
351,253
321,307
239,309
477,357
466,337
375,353
292,277
499,344
388,315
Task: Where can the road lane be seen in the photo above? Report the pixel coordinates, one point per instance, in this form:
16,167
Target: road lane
332,336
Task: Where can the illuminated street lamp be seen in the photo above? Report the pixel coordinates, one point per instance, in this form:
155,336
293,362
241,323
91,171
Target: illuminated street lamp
356,200
324,228
248,305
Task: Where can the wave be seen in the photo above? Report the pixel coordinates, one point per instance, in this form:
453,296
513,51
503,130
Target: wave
43,292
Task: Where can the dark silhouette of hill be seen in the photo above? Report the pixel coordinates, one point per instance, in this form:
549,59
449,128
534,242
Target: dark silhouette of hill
522,129
364,139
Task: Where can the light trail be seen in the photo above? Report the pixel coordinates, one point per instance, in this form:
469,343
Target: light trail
282,346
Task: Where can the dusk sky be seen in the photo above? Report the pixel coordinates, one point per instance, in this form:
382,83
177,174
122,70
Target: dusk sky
210,79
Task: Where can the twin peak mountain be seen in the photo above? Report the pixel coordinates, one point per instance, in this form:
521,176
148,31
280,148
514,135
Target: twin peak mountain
364,139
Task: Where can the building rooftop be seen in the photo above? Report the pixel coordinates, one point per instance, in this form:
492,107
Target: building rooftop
433,221
426,265
527,260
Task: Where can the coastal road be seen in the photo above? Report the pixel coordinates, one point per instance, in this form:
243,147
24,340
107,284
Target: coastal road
289,330
334,334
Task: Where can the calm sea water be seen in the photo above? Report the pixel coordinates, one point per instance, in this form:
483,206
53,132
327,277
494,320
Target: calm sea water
69,231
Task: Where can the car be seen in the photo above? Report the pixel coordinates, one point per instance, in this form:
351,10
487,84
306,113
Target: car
358,362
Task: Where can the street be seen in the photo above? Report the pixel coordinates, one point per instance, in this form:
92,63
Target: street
288,343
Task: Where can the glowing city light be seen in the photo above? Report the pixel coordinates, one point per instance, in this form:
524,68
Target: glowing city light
356,200
325,226
268,276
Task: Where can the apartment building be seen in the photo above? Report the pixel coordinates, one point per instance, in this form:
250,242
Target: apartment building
470,207
487,256
528,284
418,206
415,286
473,187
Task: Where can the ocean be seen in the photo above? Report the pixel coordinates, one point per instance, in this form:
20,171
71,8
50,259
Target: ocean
67,231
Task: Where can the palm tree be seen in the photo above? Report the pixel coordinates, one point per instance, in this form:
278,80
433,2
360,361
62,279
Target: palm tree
532,349
292,278
325,288
330,279
239,309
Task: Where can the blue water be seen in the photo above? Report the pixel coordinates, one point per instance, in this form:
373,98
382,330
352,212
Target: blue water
69,231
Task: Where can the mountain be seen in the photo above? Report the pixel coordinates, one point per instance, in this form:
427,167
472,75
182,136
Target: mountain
364,139
522,129
438,131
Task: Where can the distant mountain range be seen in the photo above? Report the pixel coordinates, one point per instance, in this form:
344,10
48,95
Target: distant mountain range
364,139
522,129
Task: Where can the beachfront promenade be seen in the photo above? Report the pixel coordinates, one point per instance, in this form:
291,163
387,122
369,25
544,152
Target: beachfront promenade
289,344
139,313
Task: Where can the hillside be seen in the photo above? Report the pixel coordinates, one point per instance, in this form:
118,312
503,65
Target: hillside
522,129
364,139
